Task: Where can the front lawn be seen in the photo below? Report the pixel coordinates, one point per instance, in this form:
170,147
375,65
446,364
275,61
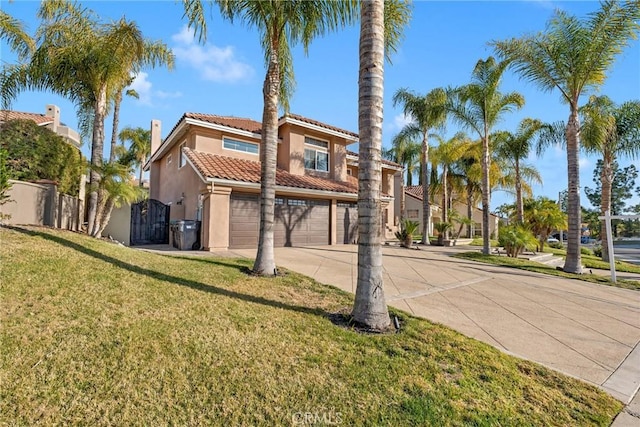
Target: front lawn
98,334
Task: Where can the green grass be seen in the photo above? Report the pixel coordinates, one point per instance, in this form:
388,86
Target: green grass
478,242
592,261
524,264
98,334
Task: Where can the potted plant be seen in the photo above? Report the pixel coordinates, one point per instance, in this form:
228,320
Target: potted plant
406,232
442,228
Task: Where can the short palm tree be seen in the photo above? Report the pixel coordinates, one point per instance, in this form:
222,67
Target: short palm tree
281,25
139,146
479,106
612,131
573,56
515,148
406,152
427,112
446,154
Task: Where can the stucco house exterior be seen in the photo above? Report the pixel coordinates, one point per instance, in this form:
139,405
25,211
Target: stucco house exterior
413,203
208,169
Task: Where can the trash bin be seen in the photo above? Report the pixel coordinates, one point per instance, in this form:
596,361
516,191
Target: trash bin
186,234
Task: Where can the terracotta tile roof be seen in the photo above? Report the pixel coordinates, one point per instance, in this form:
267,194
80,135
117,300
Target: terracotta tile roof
40,119
320,124
229,121
222,167
384,161
414,190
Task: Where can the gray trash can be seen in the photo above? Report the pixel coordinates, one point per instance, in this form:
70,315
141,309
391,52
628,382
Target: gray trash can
186,234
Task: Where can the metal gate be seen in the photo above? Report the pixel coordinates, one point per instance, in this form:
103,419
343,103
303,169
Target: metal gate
149,223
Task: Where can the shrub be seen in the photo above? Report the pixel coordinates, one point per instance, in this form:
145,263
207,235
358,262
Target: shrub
597,251
442,228
586,251
556,245
406,232
515,239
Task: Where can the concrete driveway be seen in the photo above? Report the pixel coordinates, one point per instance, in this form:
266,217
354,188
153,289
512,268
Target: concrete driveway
588,331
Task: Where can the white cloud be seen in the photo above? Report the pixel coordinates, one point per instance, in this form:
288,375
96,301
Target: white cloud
217,64
583,162
143,86
400,121
168,95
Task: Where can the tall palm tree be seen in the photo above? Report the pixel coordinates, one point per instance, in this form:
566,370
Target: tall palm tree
515,148
13,32
117,101
406,152
469,170
573,56
446,154
281,25
83,60
479,106
139,146
427,112
612,131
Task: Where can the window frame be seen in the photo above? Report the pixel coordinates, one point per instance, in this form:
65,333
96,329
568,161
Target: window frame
169,159
182,159
318,147
225,139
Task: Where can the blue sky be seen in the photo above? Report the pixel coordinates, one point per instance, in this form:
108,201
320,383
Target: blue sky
442,44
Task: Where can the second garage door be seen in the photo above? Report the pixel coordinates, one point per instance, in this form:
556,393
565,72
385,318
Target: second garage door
346,222
298,222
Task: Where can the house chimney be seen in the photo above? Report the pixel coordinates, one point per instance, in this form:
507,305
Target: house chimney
53,111
156,138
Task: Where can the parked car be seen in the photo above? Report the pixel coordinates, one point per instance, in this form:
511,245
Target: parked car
552,240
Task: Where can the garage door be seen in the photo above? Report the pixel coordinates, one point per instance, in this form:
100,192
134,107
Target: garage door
301,222
244,221
298,222
346,222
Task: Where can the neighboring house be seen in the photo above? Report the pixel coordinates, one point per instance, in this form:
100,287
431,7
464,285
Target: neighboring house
50,119
208,169
413,201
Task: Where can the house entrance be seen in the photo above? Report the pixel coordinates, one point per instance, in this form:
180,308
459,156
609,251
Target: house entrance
149,223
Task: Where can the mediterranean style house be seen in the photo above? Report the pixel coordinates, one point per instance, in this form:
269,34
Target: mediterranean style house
413,206
208,169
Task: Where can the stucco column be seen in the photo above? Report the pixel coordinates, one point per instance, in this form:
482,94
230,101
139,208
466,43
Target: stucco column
333,222
215,219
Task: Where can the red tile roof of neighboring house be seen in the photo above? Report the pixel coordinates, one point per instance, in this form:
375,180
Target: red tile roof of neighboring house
229,121
385,161
320,124
40,119
414,190
222,167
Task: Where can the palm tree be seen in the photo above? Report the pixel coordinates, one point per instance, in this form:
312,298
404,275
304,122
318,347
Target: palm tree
13,32
479,106
427,112
140,146
469,170
446,154
85,61
117,101
515,148
543,215
613,131
281,25
406,152
573,56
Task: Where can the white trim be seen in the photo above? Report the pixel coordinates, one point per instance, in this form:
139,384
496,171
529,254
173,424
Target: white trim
317,149
182,158
317,128
240,151
356,160
222,128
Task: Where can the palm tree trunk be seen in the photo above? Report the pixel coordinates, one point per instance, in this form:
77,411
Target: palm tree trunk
606,176
486,197
97,147
426,205
116,123
573,262
519,202
265,263
445,199
470,210
370,306
106,215
403,201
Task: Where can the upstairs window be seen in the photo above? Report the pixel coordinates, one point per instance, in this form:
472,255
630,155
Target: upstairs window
245,147
316,154
183,157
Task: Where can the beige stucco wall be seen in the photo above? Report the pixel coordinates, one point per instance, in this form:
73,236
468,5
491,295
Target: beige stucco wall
210,141
119,227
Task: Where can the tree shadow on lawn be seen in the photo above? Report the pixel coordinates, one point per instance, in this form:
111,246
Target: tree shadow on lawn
176,280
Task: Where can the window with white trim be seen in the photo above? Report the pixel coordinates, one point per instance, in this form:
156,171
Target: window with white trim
316,154
245,147
183,158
